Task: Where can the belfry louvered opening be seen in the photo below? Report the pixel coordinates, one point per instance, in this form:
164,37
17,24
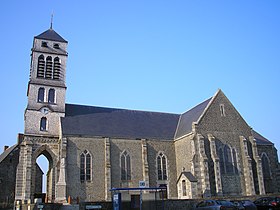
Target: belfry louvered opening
41,67
56,69
49,68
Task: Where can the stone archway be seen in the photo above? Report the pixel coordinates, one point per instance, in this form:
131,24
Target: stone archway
36,177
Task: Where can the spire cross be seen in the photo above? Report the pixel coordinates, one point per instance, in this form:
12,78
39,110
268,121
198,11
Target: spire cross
51,21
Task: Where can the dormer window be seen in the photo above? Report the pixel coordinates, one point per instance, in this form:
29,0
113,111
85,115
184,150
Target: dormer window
44,44
56,46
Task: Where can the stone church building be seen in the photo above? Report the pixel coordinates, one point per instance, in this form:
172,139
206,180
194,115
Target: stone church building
209,150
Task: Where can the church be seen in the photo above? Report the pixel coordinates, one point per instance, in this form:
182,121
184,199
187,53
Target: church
207,151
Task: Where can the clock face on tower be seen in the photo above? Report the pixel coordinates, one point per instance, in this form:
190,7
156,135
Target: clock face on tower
44,110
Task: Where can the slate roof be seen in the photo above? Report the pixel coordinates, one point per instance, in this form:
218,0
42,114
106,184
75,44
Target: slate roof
186,119
7,152
260,140
131,124
188,175
50,34
118,123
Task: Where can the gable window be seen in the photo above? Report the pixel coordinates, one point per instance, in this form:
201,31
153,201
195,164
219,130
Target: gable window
43,124
41,94
41,67
161,167
222,110
125,166
51,97
85,166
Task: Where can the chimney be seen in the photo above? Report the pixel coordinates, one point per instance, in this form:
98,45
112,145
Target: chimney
5,148
20,138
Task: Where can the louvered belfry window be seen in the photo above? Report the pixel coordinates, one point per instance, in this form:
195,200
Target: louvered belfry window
56,69
49,68
41,67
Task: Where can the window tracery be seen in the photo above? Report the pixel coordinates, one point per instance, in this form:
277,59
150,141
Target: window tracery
125,166
85,166
161,166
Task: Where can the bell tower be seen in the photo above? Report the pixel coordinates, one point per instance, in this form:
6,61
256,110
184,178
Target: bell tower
46,87
45,107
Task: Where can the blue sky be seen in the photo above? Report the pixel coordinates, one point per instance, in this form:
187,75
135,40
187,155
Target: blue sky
165,56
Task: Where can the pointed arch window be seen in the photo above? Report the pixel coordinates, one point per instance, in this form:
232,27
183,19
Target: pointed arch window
41,67
41,94
222,161
56,68
51,96
125,166
266,166
43,124
228,160
184,188
161,166
49,68
85,166
234,156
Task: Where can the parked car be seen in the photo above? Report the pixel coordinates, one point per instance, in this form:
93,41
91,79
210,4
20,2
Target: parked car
244,204
216,205
268,203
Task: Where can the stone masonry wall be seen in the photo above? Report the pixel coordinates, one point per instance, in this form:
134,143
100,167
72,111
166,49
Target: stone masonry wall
134,149
88,190
184,154
8,177
271,152
168,148
226,129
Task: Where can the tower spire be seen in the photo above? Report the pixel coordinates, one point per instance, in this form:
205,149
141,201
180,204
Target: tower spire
51,21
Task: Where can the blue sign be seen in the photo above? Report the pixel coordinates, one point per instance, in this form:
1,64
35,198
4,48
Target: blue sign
117,201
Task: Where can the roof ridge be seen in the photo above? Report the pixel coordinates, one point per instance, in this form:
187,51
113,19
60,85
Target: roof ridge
123,109
197,105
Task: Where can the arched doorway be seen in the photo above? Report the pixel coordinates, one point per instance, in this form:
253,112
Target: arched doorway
43,174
